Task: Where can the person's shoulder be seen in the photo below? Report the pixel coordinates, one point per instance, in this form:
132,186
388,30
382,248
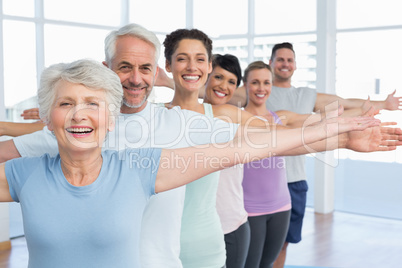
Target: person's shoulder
306,89
178,111
225,110
32,162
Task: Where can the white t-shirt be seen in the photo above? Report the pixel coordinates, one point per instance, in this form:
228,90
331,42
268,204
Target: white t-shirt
229,199
156,127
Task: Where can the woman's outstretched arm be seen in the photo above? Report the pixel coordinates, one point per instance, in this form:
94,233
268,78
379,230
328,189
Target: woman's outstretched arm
249,145
18,129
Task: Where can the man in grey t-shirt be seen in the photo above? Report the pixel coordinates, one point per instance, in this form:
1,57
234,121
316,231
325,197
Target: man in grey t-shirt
302,100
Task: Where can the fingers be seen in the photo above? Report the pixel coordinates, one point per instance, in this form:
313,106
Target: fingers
385,148
391,130
388,124
393,143
391,138
30,114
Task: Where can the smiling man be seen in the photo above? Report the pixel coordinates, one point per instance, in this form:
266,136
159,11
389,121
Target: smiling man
136,68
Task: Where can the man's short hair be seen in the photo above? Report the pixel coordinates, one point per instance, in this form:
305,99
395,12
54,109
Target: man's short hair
279,46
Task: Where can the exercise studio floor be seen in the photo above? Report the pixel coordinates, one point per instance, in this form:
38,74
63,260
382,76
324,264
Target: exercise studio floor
333,240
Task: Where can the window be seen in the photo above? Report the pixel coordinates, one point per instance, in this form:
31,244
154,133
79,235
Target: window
367,64
220,18
101,12
69,43
19,61
285,16
159,16
363,13
13,7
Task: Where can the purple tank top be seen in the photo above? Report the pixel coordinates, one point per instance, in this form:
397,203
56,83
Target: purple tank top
265,184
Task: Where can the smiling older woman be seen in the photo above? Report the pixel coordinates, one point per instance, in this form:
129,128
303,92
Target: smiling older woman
83,208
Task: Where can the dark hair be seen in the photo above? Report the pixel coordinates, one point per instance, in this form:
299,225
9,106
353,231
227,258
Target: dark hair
279,46
228,62
256,65
172,41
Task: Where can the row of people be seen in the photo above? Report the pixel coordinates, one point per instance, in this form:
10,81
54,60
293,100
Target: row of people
133,57
219,95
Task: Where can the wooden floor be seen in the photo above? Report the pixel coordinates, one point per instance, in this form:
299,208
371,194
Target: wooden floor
330,240
348,240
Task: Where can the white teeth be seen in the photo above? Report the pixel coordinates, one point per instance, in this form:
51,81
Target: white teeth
220,94
190,77
260,95
285,70
79,130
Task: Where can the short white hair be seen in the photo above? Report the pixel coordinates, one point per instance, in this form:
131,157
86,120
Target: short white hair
134,30
88,73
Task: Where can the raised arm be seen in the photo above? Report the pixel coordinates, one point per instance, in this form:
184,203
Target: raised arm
248,146
8,151
232,114
4,189
163,80
390,103
374,139
369,140
292,120
18,129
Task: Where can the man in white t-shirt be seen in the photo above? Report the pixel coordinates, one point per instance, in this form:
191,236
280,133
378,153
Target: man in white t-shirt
132,52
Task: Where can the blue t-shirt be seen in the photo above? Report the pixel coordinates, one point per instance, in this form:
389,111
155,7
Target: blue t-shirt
96,225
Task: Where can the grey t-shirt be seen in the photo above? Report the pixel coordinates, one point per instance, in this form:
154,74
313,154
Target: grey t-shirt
299,100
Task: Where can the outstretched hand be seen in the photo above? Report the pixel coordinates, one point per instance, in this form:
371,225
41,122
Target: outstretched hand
380,138
337,125
32,113
393,103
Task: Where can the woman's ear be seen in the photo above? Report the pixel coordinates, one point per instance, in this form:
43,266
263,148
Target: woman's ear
49,125
167,67
210,67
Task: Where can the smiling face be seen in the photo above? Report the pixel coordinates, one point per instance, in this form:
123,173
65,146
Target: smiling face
79,117
134,63
283,64
258,86
220,87
189,65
